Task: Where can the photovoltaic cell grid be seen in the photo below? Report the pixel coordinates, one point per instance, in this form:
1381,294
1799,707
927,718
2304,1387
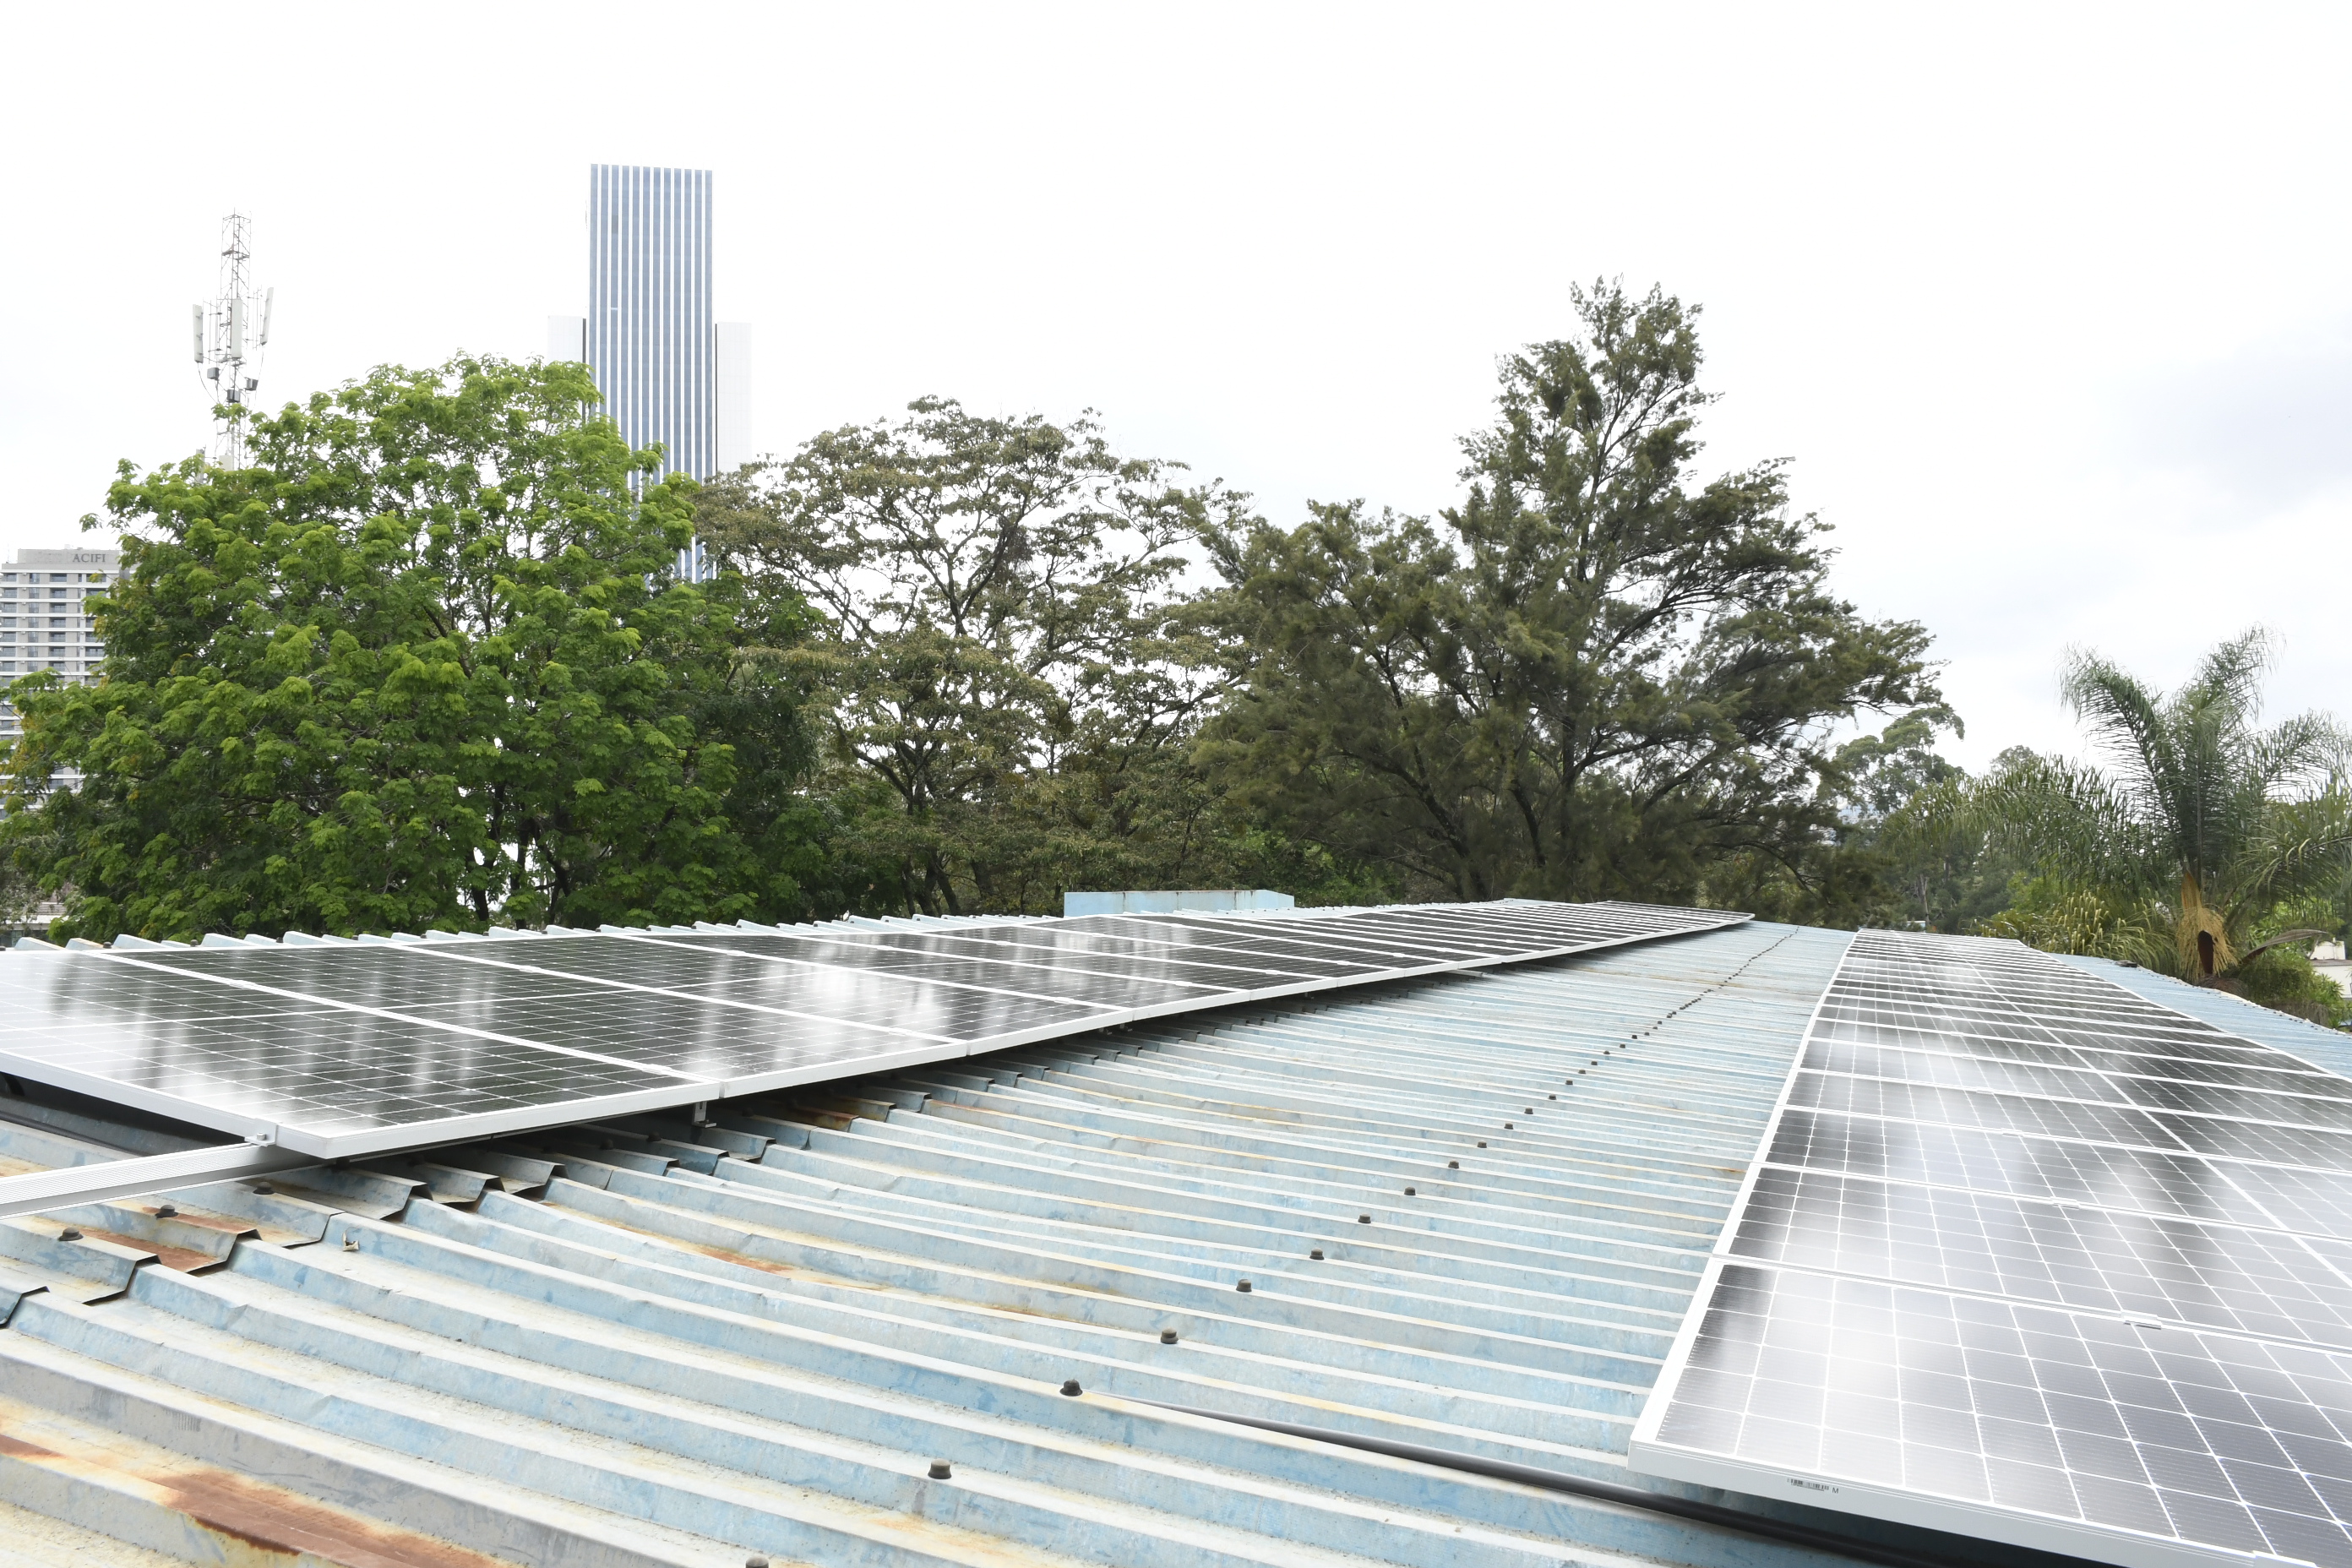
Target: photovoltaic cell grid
336,1048
2030,1257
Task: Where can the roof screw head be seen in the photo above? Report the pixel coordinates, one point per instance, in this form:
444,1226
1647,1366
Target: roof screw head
264,1189
1070,1387
1363,1219
70,1234
166,1210
1507,1126
1530,1110
1243,1286
755,1562
1408,1192
941,1469
1452,1164
1167,1336
1482,1143
1555,1096
1316,1253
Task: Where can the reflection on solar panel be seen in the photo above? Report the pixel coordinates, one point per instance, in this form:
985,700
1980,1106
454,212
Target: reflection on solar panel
2034,1259
337,1047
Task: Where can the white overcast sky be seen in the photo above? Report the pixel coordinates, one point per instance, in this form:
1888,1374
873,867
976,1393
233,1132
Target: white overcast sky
2048,304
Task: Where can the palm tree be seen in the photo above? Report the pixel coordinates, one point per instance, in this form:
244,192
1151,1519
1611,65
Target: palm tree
2201,820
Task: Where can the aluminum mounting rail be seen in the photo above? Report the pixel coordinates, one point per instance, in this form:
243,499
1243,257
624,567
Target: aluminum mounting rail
36,1190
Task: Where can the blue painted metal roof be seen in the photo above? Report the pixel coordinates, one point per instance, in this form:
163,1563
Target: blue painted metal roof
659,1342
2321,1046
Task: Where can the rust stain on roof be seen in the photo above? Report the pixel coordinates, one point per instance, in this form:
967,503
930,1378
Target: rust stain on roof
255,1517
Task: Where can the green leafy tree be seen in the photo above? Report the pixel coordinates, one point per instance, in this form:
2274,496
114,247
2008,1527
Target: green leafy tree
1011,689
1872,866
424,663
1945,869
1595,675
1881,773
2202,825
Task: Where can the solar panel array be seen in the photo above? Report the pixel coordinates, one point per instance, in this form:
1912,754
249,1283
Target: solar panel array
336,1048
2030,1257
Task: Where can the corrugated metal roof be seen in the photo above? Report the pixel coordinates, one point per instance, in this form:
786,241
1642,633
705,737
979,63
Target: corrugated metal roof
2321,1046
659,1343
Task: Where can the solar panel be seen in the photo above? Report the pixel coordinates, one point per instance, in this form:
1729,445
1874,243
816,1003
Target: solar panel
2030,1257
338,1048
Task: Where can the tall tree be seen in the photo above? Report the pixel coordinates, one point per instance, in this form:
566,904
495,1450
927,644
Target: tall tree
1009,688
1875,866
1595,675
2201,824
425,662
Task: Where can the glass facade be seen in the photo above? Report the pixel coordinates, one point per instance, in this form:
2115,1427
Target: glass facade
649,338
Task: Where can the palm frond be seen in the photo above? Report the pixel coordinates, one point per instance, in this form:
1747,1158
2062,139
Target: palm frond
2303,846
2231,675
2122,714
2302,751
2069,818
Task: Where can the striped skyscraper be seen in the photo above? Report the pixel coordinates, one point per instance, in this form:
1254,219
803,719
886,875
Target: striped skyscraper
669,374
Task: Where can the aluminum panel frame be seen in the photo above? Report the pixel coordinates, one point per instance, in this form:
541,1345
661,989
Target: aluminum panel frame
1517,932
2212,1428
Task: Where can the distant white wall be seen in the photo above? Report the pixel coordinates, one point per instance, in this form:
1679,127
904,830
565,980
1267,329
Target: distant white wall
2328,957
567,337
731,411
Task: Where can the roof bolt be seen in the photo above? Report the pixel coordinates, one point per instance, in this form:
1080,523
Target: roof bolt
755,1562
1408,1192
70,1234
941,1469
1070,1387
1243,1286
1482,1143
1316,1253
1452,1164
1555,1096
1167,1336
1363,1219
1507,1126
166,1210
265,1190
1530,1110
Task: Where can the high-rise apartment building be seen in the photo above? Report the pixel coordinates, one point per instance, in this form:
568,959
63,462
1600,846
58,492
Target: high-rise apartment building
669,371
43,625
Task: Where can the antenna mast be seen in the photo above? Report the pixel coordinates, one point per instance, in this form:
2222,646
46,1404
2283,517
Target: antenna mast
229,337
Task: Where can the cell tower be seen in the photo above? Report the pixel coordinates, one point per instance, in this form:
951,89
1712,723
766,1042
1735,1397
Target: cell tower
228,347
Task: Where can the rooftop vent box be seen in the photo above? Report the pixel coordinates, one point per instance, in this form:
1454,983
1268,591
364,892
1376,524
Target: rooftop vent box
1219,900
